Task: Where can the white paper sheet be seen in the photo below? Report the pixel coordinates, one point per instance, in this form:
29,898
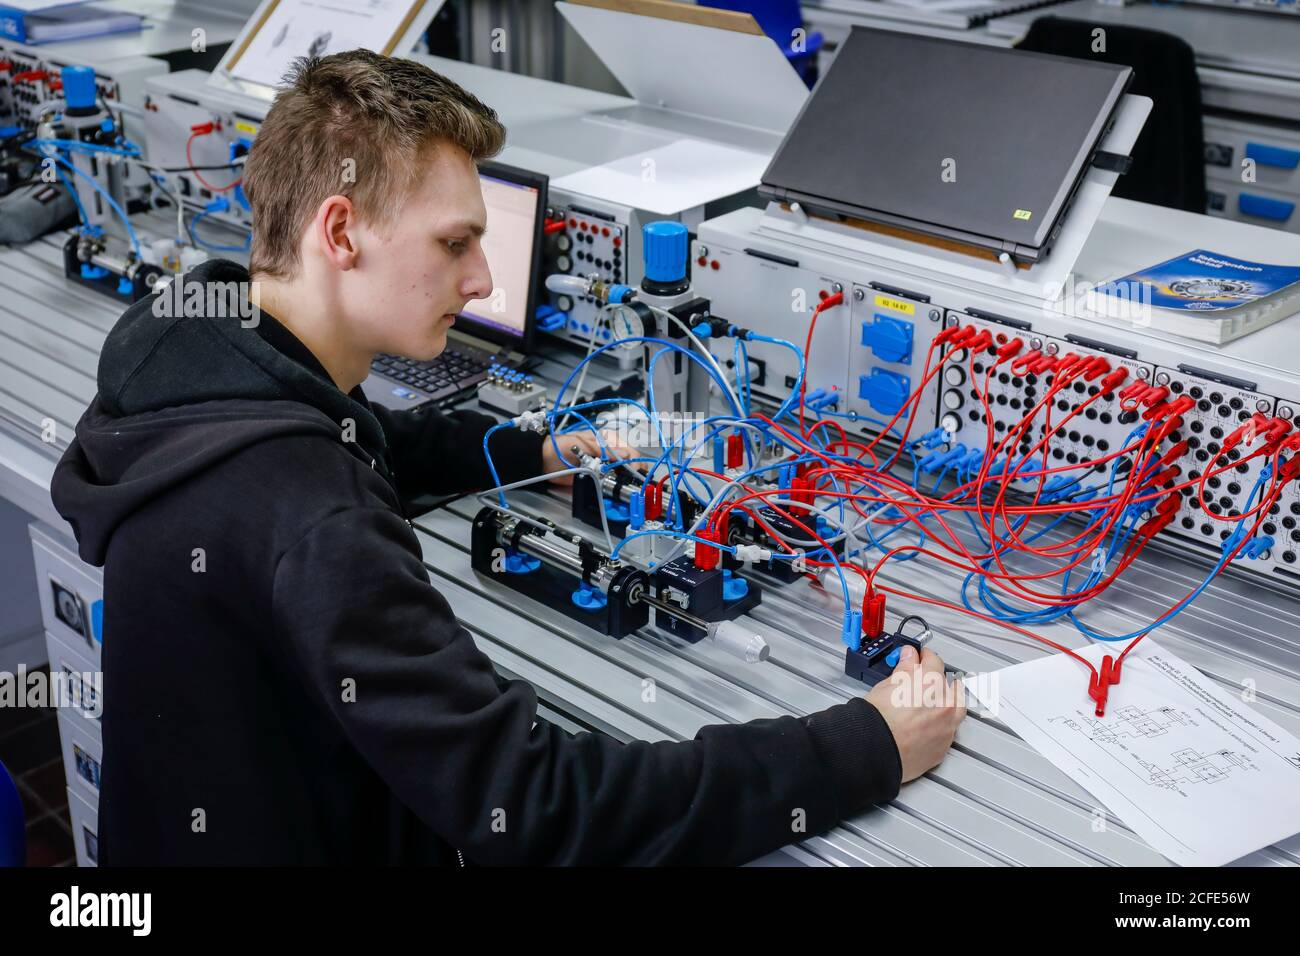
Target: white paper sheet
318,27
681,175
1194,771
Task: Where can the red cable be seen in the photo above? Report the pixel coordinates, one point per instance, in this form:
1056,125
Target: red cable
189,161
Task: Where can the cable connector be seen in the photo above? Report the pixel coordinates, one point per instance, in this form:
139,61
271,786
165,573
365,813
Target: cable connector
939,459
1173,454
1057,487
932,439
1021,365
534,421
873,613
1258,546
1167,428
1100,683
654,506
706,556
1274,434
1096,367
1252,426
203,129
972,461
1043,364
1068,361
851,630
826,399
1114,380
1289,470
961,337
752,554
1231,542
1010,349
1131,393
945,335
1166,476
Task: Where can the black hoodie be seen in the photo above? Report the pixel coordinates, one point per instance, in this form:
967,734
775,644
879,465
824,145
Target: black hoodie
284,685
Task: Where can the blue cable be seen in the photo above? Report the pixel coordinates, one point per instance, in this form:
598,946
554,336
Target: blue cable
192,225
135,241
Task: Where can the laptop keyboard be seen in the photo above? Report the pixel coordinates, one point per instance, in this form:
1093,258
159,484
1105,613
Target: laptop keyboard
453,371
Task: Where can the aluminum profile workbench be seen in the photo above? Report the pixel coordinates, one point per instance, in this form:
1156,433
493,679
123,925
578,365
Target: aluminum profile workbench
992,801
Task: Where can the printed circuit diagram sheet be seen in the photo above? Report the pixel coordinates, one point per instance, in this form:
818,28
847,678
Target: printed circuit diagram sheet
1182,761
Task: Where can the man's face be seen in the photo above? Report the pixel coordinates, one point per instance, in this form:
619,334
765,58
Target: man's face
411,281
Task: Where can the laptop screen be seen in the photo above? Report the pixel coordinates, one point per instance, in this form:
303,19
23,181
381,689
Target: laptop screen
947,137
516,204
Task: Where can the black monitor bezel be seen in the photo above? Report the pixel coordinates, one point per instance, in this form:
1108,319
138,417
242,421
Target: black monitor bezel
470,325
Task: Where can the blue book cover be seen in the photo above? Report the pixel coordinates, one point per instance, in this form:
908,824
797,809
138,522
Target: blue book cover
1203,281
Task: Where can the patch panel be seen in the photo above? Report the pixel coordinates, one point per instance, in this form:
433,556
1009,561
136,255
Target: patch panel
29,78
871,350
1213,411
787,293
1218,410
584,243
1012,389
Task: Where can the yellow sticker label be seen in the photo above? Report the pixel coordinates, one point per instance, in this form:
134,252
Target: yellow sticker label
885,302
1023,214
248,128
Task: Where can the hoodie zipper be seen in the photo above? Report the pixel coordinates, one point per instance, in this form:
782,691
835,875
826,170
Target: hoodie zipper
461,857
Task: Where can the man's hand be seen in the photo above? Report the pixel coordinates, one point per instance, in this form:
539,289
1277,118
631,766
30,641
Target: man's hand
922,709
575,444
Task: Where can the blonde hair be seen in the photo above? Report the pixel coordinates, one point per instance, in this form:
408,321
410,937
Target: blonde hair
354,124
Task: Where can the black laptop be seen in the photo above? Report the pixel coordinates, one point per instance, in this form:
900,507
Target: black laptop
975,144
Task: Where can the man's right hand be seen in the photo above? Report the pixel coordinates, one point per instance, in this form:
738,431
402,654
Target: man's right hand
922,709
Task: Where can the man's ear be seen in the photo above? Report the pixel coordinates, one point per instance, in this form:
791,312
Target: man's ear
335,229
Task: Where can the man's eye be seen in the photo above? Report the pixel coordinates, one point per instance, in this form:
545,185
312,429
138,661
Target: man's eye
456,246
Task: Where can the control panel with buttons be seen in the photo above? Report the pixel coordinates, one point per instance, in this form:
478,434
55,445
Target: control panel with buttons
585,244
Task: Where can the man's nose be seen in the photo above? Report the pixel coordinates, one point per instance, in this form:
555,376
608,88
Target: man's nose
478,284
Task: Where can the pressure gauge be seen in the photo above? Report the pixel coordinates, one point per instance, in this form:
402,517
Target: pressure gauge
626,324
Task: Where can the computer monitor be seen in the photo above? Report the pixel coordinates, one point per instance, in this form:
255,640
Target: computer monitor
516,211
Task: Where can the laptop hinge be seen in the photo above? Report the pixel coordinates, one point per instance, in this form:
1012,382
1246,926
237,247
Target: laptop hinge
1113,162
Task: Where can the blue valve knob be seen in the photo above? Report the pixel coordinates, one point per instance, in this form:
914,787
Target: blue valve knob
79,90
665,248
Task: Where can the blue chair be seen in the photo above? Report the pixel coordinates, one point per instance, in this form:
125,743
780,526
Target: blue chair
13,824
779,19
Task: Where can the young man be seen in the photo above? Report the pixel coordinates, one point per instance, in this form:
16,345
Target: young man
282,682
